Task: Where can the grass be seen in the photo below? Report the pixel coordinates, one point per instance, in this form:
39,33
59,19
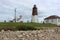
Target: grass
24,26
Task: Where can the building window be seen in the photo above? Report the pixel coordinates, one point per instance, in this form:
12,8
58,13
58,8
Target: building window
46,21
58,20
52,20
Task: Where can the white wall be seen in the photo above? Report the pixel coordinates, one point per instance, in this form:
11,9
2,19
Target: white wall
20,20
34,18
53,21
58,21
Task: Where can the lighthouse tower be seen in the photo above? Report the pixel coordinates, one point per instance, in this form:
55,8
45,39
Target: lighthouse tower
34,15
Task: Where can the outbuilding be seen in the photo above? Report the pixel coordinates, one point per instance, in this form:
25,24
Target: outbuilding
52,19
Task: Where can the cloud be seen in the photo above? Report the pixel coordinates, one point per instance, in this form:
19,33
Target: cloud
24,8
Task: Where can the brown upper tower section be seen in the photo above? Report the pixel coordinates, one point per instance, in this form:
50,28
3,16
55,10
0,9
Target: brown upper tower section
34,11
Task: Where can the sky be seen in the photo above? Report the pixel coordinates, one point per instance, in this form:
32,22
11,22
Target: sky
24,8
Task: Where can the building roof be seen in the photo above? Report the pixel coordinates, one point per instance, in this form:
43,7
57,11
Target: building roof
52,17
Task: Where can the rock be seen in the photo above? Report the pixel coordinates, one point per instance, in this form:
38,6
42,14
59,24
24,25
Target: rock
48,34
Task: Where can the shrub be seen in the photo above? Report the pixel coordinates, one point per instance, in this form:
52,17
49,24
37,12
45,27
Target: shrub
8,28
24,27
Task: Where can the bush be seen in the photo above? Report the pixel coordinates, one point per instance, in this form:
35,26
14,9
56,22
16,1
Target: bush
8,28
24,27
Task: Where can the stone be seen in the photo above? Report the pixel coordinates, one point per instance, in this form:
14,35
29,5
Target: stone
48,34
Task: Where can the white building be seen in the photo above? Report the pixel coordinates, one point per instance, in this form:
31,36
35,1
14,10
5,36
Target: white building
52,19
20,19
34,15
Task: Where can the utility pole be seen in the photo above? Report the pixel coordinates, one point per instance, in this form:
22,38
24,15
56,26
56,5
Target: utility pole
15,14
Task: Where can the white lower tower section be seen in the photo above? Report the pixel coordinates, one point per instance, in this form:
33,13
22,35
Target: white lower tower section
34,19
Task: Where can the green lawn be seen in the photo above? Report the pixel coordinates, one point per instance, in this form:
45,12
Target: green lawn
24,26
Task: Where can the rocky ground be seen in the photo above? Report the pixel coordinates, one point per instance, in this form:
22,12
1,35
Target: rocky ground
46,34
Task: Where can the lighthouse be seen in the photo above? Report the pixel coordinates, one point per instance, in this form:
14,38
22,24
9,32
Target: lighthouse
34,14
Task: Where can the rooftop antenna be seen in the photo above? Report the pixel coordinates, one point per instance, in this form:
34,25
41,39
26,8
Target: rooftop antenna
15,14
